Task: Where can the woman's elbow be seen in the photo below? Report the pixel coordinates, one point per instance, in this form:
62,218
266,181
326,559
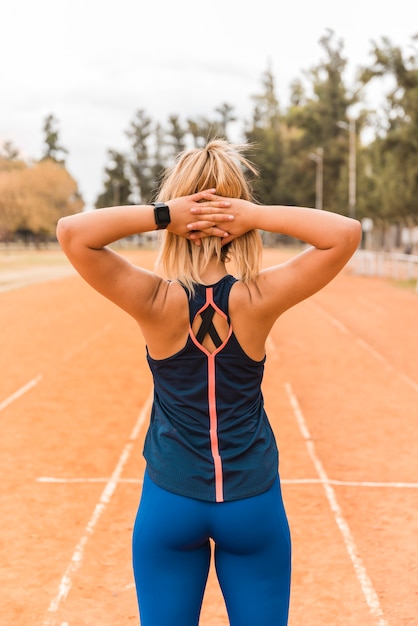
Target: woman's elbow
63,231
350,236
355,233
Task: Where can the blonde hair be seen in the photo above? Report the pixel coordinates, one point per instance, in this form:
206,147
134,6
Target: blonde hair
219,165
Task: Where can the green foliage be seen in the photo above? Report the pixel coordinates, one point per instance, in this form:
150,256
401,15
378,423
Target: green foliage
8,151
265,134
316,122
284,145
34,197
394,155
152,147
52,148
381,178
117,185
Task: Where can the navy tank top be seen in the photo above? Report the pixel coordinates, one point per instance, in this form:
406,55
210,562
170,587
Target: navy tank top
209,437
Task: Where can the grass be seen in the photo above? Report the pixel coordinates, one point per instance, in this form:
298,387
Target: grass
14,258
410,284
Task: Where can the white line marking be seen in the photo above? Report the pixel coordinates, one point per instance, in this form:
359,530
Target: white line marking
87,342
367,304
408,380
20,392
355,483
366,346
32,383
78,554
50,479
337,323
362,576
348,483
130,586
271,348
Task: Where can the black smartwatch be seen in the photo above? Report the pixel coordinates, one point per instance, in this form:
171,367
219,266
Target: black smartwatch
161,214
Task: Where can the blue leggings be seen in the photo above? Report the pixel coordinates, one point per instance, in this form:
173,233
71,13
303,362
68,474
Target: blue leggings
171,557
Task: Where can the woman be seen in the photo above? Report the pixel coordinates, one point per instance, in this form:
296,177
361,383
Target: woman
212,462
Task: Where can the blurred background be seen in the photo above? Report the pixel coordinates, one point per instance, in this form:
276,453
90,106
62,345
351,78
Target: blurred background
97,97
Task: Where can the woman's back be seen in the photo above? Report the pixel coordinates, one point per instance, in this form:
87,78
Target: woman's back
247,308
209,436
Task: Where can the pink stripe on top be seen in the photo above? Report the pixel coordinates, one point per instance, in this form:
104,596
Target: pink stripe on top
213,415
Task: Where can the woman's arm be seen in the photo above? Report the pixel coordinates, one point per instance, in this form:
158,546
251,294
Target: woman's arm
333,239
84,237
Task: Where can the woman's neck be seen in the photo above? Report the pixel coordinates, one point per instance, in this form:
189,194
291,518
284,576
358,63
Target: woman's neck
214,271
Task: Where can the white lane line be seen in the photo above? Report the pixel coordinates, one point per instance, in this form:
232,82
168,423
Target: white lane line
271,348
32,383
366,346
86,342
20,392
367,304
51,479
359,568
355,483
78,554
349,483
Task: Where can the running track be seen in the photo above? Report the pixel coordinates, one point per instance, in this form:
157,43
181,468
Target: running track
341,389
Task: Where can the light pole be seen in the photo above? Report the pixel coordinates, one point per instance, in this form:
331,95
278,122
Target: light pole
351,127
318,157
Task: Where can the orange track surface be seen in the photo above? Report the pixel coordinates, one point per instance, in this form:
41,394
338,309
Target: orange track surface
341,390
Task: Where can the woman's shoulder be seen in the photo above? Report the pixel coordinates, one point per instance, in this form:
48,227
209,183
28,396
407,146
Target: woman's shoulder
245,293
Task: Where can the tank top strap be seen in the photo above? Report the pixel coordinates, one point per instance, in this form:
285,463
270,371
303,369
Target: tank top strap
207,306
220,294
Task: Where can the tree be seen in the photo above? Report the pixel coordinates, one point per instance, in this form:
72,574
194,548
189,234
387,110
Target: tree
176,135
284,142
9,151
227,117
394,155
52,149
117,185
140,134
317,118
159,157
264,133
33,198
202,130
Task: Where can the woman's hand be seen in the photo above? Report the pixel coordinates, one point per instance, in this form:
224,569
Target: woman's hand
214,216
215,210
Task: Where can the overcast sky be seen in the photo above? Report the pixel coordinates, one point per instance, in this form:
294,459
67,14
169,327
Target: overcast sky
94,63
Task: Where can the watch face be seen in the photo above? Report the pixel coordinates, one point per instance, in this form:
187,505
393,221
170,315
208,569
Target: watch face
162,215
